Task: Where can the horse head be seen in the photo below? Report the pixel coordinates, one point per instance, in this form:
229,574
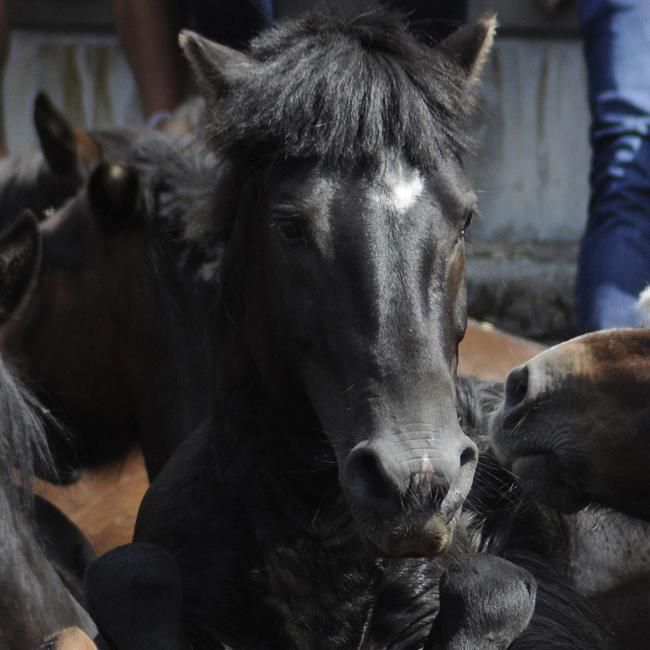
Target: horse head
343,279
573,424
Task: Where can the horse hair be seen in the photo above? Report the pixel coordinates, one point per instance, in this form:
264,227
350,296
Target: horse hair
23,443
392,92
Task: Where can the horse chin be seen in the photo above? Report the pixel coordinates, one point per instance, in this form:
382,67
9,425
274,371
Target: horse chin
432,538
542,478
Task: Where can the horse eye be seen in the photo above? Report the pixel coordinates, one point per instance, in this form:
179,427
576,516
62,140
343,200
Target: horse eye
468,221
289,229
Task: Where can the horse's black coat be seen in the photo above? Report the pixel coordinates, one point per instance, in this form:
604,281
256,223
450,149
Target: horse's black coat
151,575
274,548
485,604
397,96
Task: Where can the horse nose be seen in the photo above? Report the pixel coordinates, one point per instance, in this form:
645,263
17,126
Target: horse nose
516,390
376,478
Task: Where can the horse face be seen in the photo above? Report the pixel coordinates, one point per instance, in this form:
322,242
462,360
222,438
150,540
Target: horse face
573,423
362,275
354,296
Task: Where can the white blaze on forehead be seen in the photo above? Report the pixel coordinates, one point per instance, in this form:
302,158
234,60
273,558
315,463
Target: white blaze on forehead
404,192
400,187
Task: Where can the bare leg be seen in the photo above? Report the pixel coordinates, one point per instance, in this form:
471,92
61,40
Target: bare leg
148,31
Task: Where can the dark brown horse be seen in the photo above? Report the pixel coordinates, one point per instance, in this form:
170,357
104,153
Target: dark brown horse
114,335
44,179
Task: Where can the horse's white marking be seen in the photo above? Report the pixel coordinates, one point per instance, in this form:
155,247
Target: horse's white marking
643,305
404,192
399,189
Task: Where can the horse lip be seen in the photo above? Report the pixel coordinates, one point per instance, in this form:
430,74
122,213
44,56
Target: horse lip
454,499
433,538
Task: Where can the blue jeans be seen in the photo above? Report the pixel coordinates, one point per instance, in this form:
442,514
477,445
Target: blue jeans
614,263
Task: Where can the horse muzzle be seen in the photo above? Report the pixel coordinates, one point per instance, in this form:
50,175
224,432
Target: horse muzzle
407,503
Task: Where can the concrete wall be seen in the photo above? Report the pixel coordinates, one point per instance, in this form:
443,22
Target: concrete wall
84,74
531,168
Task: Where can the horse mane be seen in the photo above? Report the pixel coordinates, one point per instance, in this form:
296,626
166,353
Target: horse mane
340,88
178,178
23,444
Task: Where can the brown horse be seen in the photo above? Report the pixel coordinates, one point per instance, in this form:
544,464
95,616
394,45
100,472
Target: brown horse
113,337
575,422
574,427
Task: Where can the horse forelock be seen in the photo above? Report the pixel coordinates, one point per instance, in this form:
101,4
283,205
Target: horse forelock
344,89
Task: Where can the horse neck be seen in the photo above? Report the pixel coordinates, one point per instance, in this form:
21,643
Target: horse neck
275,443
170,369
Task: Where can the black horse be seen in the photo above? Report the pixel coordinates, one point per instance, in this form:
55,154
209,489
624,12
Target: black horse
335,457
36,574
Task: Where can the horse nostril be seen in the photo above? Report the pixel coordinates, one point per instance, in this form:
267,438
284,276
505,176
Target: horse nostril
517,386
469,455
367,478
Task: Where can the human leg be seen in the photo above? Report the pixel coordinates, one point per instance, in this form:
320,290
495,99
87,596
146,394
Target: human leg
614,263
148,30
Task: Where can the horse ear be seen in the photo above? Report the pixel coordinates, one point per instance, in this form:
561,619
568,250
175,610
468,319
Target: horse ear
20,258
470,46
67,149
113,192
216,67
